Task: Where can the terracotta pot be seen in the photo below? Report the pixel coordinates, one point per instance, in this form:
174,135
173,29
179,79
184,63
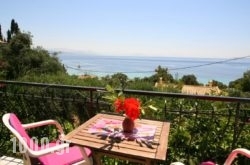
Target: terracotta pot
128,125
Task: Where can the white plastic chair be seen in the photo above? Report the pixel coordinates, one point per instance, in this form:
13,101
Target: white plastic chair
50,154
233,155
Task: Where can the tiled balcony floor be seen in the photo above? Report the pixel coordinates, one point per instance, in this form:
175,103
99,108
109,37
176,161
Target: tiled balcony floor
5,160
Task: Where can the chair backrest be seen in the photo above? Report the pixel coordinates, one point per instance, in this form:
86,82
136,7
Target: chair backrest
12,122
233,155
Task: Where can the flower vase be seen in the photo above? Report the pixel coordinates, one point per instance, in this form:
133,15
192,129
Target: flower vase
128,125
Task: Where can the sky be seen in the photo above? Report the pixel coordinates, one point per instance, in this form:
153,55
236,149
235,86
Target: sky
172,28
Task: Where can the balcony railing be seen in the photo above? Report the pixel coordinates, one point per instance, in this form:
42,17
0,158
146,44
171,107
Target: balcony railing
202,127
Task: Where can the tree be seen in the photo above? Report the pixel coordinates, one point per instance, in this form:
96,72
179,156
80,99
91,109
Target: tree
20,42
8,36
22,60
246,82
14,54
119,80
243,83
219,84
14,29
1,35
189,80
162,73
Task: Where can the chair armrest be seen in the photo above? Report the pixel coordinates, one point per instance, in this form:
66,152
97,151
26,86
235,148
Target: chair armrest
48,150
44,123
234,153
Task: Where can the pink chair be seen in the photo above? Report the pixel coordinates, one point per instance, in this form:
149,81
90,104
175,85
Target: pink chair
234,153
59,153
231,157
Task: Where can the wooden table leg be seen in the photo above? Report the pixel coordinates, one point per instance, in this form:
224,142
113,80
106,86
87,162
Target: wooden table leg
97,158
147,162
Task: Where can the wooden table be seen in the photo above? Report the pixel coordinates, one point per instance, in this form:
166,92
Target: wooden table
132,150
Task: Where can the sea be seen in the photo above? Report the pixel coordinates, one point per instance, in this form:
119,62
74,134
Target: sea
223,70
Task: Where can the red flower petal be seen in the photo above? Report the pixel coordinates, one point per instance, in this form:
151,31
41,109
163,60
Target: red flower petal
132,108
118,105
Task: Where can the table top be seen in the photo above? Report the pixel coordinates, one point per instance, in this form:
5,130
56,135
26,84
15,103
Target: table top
136,148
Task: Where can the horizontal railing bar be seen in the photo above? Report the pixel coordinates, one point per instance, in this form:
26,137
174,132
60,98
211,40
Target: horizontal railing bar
51,85
44,97
180,95
137,92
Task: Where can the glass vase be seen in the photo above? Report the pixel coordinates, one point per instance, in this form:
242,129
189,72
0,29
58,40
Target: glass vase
128,125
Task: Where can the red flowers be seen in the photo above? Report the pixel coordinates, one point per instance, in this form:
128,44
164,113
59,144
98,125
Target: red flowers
131,107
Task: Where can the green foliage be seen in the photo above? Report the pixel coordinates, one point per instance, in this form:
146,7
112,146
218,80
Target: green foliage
189,80
246,82
20,43
14,29
233,92
1,34
140,85
117,80
61,78
242,84
219,84
106,160
22,60
3,64
112,94
162,73
8,36
203,135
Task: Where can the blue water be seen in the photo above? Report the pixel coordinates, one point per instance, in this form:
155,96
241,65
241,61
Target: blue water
205,69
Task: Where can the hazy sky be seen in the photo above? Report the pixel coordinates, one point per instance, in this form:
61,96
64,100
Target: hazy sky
183,28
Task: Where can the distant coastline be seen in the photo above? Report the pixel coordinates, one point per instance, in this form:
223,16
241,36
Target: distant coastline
205,69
